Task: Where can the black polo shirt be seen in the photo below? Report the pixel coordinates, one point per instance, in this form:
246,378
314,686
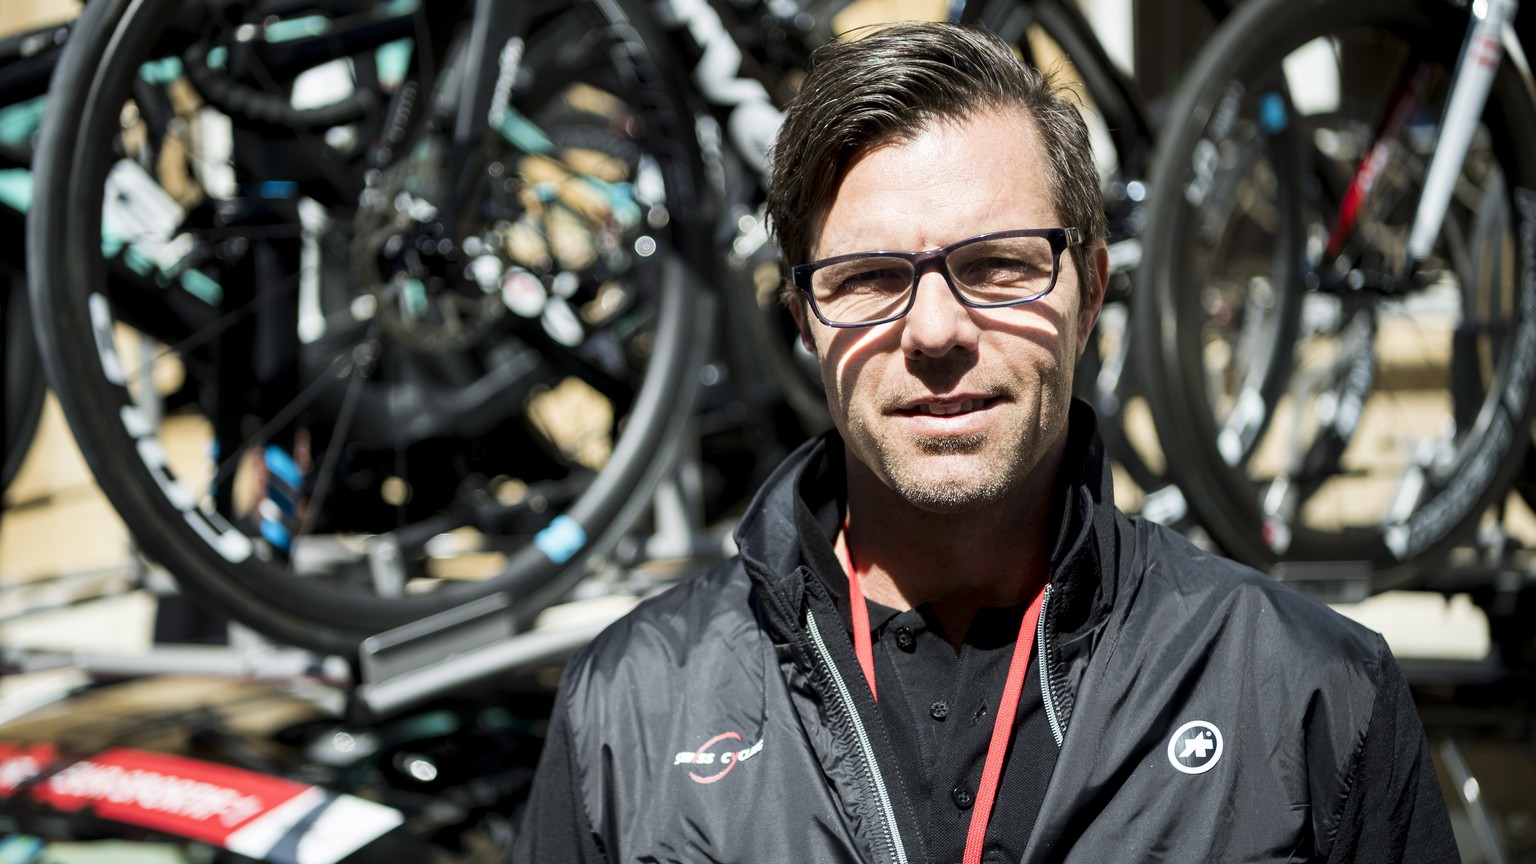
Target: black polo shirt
937,705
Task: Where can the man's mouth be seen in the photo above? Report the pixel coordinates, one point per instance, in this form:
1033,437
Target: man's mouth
944,407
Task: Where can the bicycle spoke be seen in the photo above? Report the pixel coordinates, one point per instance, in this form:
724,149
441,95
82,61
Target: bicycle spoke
338,438
288,414
220,326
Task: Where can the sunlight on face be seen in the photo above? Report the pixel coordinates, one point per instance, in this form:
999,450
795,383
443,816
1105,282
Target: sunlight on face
951,408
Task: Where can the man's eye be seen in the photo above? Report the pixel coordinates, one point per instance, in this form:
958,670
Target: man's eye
883,280
998,270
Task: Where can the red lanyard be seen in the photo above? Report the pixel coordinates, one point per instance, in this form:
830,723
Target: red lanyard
1002,725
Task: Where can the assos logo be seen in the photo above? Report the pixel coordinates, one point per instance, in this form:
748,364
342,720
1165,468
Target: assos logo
707,756
1196,747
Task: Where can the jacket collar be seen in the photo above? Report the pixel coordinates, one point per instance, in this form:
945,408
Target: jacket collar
796,499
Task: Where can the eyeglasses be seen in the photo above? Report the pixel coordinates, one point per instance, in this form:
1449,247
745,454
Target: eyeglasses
1006,268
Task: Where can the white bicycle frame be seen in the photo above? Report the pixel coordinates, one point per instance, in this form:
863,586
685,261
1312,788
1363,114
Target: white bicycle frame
1488,39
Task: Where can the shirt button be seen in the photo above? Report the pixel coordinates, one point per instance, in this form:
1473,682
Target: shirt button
962,797
905,640
939,710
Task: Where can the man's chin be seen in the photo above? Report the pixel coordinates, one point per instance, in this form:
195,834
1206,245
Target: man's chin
950,445
950,482
950,499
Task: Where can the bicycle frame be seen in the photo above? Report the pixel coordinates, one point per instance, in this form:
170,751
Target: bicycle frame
1492,25
1489,37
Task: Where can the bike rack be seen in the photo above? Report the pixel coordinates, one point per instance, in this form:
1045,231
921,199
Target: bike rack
409,665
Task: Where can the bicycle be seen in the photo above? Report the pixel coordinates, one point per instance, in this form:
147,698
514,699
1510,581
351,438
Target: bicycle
306,274
440,784
1339,308
367,419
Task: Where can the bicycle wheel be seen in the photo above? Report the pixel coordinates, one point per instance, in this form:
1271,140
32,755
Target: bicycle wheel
339,364
1319,401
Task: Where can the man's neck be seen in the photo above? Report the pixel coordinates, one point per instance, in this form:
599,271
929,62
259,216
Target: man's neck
958,562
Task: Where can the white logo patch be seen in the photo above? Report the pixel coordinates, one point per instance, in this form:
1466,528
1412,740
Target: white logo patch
1195,748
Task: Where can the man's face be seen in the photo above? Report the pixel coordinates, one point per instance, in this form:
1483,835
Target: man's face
951,407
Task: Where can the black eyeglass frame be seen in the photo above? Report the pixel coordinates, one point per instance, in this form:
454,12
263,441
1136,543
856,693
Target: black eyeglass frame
1060,239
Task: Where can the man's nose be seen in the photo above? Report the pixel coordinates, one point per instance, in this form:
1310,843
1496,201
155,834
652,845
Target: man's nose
938,321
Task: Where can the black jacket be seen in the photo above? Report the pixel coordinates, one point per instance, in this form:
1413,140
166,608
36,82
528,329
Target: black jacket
718,722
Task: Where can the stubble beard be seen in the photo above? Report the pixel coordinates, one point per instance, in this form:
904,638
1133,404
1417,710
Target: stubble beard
909,468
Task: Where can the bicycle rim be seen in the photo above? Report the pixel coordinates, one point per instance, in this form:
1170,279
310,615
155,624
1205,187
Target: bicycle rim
1328,410
315,400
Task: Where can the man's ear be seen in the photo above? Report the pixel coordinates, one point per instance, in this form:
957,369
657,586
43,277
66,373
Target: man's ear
1094,284
797,310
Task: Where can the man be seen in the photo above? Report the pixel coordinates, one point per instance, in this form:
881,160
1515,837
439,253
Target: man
940,641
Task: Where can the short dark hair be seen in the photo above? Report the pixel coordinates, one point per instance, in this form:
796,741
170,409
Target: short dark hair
887,87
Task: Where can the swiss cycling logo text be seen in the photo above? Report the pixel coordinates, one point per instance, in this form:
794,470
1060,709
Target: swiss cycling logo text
707,756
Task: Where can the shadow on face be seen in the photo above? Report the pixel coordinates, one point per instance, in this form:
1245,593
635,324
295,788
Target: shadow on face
847,352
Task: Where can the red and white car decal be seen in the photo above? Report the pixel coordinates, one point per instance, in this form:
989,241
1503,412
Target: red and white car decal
257,815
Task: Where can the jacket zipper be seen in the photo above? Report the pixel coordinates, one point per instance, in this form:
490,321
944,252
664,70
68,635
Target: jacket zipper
1045,671
864,743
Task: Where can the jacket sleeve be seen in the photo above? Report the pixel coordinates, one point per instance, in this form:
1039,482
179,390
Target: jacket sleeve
1394,810
556,828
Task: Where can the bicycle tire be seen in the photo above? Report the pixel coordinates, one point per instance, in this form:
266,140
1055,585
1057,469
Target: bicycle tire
22,378
1124,143
22,77
1313,504
81,314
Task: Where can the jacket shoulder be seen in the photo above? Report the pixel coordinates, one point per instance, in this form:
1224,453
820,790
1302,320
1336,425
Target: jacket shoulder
1191,583
707,616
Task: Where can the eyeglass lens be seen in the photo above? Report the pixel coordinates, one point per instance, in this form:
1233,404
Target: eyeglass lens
988,271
